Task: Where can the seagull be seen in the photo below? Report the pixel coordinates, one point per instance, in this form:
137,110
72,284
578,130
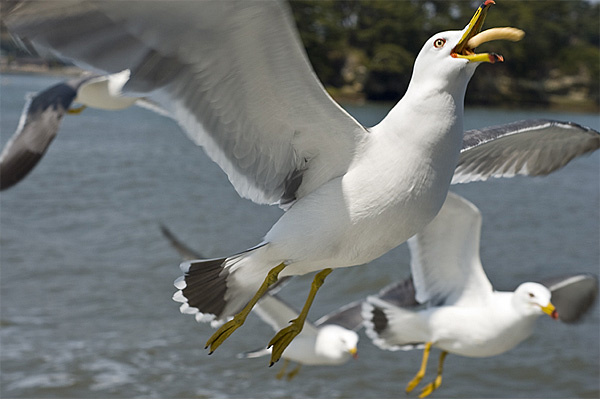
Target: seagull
450,304
332,340
321,343
43,112
236,78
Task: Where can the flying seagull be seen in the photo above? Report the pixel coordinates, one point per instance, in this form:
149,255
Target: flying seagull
331,340
321,343
452,305
236,78
43,113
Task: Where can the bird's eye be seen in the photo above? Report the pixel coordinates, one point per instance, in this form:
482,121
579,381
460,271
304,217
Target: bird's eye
531,295
439,43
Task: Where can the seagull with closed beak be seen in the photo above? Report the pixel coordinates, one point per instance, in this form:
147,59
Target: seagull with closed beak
450,304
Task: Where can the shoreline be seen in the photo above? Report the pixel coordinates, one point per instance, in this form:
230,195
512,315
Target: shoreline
556,103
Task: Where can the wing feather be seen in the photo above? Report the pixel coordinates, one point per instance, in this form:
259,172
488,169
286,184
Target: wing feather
531,147
233,73
445,262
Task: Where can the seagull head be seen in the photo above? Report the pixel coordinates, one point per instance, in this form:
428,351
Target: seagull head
336,342
534,299
450,55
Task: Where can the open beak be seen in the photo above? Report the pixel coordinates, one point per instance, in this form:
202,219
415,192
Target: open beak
473,37
550,310
354,352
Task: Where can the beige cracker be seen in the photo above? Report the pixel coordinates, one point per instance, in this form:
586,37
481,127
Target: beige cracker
512,34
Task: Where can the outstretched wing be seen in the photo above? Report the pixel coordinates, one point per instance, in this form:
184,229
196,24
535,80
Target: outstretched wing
43,113
348,316
184,251
445,262
37,128
400,293
531,147
233,73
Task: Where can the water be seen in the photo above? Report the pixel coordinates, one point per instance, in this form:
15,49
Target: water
86,277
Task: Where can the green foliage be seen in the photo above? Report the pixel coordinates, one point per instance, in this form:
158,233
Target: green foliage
562,40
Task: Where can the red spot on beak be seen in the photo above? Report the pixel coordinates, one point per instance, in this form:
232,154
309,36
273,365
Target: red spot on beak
496,58
554,314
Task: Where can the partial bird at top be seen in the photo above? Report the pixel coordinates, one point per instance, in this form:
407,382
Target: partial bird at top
235,76
43,112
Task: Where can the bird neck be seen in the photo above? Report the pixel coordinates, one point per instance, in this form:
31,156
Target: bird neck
427,116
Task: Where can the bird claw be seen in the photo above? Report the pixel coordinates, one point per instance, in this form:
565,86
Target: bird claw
223,333
76,110
429,388
426,391
413,383
282,339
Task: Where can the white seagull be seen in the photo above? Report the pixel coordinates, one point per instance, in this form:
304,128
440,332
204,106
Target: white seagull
330,341
235,76
43,112
452,304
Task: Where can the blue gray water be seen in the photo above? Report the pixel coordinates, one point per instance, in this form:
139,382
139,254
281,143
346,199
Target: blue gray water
86,277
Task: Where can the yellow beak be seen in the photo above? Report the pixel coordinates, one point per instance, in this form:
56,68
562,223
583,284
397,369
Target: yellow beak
550,310
354,352
464,48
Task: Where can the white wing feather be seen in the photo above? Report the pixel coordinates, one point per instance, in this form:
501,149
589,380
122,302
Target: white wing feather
233,73
445,262
532,147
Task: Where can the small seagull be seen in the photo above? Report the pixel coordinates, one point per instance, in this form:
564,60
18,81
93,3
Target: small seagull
330,341
452,305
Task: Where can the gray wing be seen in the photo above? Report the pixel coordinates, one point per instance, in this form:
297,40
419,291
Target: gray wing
184,251
573,295
531,147
348,316
233,73
38,126
42,115
401,293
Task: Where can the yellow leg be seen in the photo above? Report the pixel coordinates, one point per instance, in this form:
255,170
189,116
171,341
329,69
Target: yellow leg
283,338
228,328
76,111
421,373
282,371
432,386
294,372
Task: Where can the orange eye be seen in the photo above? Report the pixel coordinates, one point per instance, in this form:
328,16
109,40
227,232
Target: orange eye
439,43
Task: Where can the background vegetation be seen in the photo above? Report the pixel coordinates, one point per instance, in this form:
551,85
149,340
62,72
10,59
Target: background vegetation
365,49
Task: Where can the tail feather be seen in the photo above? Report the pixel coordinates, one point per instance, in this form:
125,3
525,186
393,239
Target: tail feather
390,327
203,287
214,290
253,354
